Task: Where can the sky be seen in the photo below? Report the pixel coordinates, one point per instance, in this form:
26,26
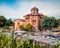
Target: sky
18,8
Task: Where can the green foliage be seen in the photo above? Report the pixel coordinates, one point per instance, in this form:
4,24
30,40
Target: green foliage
59,21
9,23
28,27
5,22
57,45
21,27
10,42
2,21
4,40
50,22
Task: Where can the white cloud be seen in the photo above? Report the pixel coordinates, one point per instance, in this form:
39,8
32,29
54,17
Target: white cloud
24,8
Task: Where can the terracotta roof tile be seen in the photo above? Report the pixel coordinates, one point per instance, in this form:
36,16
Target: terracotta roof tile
39,14
19,19
34,8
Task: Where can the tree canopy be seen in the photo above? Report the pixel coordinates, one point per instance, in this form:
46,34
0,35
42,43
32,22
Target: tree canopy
2,21
59,21
9,22
5,22
50,22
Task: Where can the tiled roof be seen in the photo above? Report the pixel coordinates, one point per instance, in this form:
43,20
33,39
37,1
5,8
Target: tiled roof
39,14
34,8
19,19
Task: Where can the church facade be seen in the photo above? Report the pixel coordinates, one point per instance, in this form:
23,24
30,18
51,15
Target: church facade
34,18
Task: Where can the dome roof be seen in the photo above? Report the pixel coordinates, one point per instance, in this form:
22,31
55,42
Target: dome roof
34,8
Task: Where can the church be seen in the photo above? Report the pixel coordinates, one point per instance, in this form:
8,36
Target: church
34,18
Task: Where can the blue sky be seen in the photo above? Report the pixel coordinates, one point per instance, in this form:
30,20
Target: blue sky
18,8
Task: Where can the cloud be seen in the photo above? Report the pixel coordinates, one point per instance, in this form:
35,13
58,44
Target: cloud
24,8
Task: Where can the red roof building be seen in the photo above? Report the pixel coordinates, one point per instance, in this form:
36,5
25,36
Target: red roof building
34,18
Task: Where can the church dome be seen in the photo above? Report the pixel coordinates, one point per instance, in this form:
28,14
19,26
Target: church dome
34,10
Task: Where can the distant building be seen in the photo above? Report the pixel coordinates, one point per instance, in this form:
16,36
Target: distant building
34,18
